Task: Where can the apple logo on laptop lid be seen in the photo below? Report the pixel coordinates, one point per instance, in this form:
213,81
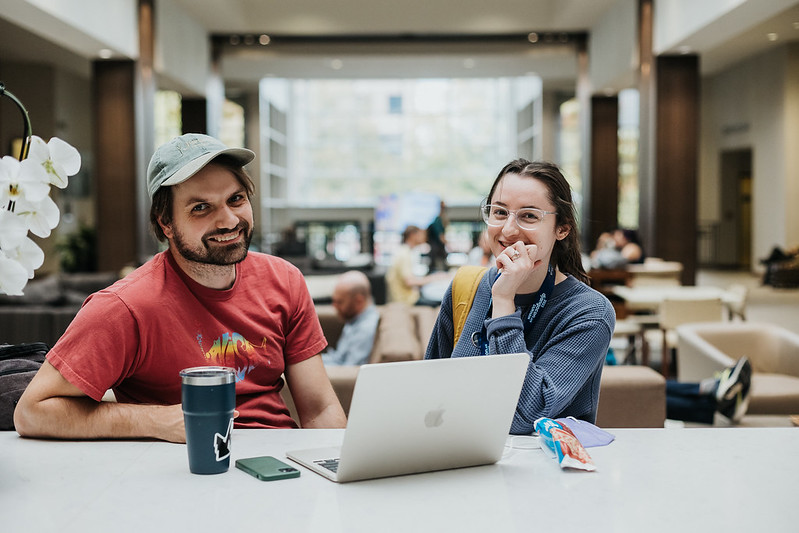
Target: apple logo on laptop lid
434,418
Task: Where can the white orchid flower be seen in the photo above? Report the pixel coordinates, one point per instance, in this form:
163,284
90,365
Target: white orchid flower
13,230
58,158
13,276
22,180
28,255
40,217
25,205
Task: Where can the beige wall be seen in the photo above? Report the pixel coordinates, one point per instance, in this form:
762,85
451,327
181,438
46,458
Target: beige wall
83,27
183,52
612,48
754,105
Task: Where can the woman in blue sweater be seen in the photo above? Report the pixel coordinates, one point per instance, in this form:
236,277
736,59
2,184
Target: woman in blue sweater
534,298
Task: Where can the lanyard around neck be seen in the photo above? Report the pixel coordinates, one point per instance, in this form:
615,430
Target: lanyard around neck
540,298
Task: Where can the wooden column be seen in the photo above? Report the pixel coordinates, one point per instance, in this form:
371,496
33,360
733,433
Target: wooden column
115,163
646,129
194,115
676,161
604,198
145,124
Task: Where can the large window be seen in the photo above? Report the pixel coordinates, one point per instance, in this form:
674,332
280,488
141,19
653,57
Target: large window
168,123
354,141
628,158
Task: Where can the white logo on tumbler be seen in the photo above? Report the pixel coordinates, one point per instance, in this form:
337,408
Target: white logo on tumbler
222,443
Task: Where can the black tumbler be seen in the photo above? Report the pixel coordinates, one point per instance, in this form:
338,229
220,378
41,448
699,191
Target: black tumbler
209,398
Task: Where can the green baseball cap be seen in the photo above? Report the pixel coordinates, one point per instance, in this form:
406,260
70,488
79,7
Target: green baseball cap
184,156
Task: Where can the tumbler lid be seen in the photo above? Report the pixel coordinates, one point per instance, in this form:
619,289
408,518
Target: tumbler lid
208,375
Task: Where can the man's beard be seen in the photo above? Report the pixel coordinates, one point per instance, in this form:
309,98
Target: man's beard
218,254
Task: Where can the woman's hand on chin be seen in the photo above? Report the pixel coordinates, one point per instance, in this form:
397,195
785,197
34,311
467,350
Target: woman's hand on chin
518,266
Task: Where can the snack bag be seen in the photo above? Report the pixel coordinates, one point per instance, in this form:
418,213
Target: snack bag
559,440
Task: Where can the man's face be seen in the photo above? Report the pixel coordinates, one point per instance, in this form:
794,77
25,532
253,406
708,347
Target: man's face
419,237
345,303
212,218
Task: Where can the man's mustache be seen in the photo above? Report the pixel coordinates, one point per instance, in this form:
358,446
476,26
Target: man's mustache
242,226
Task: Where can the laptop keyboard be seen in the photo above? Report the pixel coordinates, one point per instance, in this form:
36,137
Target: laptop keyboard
330,464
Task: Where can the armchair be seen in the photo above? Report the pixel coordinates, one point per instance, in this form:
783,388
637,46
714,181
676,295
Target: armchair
703,349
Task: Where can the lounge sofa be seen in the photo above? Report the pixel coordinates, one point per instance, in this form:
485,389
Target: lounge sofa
705,348
402,331
49,304
630,395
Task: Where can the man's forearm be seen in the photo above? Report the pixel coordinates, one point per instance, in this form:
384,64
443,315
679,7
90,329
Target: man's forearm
331,417
65,417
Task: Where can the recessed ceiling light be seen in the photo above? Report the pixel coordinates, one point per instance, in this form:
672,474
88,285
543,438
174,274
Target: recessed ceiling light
772,37
235,39
532,37
336,64
249,40
105,53
264,39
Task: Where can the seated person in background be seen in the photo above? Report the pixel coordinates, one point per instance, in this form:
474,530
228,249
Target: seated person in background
203,301
352,298
727,394
630,246
480,254
403,284
616,249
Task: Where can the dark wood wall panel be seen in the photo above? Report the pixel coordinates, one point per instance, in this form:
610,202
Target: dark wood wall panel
115,163
604,166
194,115
677,149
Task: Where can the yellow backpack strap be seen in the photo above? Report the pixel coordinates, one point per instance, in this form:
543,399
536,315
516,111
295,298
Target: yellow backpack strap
464,287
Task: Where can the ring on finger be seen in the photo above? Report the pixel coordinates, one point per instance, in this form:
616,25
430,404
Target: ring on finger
515,254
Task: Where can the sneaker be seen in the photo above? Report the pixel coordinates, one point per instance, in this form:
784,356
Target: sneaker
732,393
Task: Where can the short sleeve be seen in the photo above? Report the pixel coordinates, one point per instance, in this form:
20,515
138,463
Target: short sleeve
99,348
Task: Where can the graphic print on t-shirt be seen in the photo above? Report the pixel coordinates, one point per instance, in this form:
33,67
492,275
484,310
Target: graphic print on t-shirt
231,350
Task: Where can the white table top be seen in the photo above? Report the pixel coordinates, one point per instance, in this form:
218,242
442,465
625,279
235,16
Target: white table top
649,297
646,480
655,267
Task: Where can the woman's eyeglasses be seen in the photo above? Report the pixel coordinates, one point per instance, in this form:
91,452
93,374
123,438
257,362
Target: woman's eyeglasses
496,215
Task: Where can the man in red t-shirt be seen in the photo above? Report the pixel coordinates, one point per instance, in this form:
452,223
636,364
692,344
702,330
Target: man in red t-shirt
203,301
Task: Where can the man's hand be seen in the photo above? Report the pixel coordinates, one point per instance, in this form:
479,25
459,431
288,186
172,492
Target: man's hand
168,420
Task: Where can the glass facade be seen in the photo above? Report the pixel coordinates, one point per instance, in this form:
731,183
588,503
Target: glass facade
353,141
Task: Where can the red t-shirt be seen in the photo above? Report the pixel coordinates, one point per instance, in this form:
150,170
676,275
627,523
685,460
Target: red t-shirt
137,335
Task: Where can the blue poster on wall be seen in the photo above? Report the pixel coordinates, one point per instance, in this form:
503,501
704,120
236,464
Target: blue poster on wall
395,212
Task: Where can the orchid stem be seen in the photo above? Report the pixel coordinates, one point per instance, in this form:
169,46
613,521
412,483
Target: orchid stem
26,140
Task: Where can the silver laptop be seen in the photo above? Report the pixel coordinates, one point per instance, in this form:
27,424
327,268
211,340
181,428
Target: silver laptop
419,416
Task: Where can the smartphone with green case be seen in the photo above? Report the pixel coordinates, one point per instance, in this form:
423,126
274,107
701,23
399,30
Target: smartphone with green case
267,468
